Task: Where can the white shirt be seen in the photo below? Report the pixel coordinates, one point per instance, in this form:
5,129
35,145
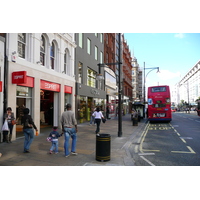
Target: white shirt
97,115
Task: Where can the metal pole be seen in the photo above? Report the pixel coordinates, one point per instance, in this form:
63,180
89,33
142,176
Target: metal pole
119,92
144,92
188,97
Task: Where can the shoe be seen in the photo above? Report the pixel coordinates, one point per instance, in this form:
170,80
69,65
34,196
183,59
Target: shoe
50,152
74,153
98,134
26,151
67,156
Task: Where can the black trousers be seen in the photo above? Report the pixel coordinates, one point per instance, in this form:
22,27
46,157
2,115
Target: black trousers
98,122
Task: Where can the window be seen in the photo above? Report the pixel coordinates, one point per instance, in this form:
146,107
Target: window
80,40
80,67
91,78
96,53
88,46
101,57
42,50
159,89
101,37
21,44
52,56
67,69
96,34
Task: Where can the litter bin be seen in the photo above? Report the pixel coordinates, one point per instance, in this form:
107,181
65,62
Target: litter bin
103,147
135,121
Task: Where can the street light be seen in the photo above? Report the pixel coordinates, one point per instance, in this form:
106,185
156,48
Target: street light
152,68
119,85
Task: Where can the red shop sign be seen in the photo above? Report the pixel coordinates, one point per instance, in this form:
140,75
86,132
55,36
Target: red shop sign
29,83
68,89
19,77
46,85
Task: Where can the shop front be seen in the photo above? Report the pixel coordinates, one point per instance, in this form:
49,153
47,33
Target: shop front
24,96
87,99
49,103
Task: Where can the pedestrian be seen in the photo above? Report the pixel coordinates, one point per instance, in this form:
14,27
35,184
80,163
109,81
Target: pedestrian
9,116
54,135
107,112
98,116
69,127
92,117
28,126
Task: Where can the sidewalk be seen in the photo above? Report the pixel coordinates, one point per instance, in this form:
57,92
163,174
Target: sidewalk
86,147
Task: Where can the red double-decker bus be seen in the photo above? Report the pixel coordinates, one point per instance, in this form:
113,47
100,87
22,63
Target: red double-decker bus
159,103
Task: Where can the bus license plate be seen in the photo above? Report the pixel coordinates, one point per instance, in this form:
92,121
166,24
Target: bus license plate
161,114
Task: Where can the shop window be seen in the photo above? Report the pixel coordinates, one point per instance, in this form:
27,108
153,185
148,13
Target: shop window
21,44
42,50
24,100
91,78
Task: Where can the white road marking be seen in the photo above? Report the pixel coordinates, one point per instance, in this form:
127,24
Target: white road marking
150,163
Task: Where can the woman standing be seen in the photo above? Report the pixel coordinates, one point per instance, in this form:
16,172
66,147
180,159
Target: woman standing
28,126
9,116
98,116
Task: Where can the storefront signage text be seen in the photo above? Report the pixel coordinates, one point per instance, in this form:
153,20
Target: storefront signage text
45,85
95,92
19,77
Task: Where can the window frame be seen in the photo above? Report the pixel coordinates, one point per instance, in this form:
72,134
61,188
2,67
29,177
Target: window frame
23,45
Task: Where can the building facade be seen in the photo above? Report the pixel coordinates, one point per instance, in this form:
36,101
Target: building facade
90,92
110,75
127,77
39,75
188,88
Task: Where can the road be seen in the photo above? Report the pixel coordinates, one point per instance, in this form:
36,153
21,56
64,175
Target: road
169,144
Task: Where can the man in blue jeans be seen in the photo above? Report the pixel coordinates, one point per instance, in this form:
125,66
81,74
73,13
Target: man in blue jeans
69,127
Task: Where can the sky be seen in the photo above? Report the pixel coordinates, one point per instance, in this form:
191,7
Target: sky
174,53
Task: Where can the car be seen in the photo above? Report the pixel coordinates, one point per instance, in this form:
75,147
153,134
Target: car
173,110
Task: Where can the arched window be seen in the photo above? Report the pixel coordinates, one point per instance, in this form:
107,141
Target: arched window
42,50
52,56
66,62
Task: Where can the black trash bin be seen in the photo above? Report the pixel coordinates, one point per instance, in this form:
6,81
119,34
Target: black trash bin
103,147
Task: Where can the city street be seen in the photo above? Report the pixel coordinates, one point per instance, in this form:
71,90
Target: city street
169,144
86,143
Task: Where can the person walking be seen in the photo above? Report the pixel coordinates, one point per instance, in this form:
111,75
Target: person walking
69,127
98,116
28,126
54,135
92,117
9,116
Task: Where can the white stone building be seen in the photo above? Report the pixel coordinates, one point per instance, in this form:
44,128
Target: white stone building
39,76
188,88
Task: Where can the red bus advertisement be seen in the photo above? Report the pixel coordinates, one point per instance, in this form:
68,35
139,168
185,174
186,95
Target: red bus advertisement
159,104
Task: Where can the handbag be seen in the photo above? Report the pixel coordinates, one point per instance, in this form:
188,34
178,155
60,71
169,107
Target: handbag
49,139
14,122
5,126
103,120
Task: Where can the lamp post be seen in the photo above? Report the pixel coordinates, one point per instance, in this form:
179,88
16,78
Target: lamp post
152,68
119,86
